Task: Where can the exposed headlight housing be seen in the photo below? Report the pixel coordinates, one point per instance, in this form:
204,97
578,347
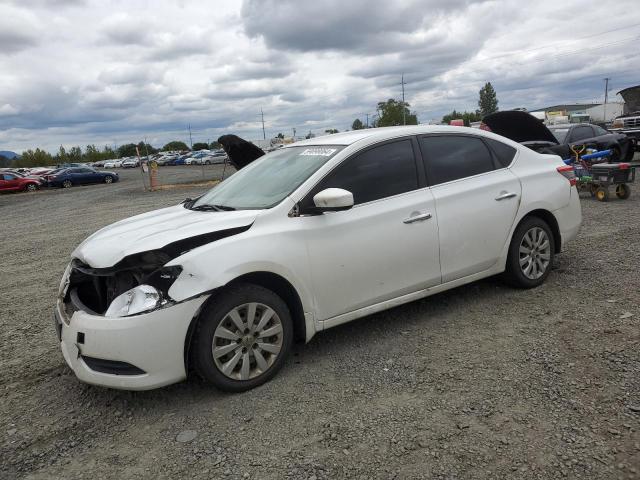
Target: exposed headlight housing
142,298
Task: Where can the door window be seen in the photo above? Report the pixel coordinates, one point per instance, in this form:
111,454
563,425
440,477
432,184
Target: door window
451,157
379,172
504,153
580,133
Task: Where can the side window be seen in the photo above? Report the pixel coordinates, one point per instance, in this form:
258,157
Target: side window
451,157
9,177
580,133
379,172
503,152
600,130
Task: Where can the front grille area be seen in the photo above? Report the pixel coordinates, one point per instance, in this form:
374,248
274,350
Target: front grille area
112,367
633,122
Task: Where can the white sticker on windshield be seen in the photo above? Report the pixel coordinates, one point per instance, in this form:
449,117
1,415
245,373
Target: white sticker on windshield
319,152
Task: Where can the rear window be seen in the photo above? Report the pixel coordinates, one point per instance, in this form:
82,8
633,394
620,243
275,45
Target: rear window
560,134
504,153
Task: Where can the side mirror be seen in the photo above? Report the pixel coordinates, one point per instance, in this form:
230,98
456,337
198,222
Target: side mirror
333,200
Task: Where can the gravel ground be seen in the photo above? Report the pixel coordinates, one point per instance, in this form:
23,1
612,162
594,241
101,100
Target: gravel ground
479,382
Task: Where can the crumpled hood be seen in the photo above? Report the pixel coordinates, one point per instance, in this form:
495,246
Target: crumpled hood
154,230
519,126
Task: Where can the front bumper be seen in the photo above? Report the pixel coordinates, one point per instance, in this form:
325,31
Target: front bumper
152,342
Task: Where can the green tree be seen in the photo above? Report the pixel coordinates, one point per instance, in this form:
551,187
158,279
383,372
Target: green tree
5,162
215,146
129,149
34,158
175,145
200,146
331,130
391,114
488,101
75,154
467,117
61,156
280,135
357,124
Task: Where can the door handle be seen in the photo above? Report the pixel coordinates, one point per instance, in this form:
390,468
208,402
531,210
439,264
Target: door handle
417,218
505,195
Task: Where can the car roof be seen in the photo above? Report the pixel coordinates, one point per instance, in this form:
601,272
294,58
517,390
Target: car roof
383,133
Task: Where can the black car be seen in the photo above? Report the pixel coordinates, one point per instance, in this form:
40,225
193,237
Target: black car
80,176
557,139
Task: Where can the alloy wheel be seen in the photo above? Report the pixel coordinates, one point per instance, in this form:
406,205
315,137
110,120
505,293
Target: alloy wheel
247,341
535,253
31,187
108,179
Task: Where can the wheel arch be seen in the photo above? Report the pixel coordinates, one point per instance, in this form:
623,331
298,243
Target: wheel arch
550,220
269,280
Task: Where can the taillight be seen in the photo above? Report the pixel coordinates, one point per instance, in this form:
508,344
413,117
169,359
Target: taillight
567,172
484,126
624,166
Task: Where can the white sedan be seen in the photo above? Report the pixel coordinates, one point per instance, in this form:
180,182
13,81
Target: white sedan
305,238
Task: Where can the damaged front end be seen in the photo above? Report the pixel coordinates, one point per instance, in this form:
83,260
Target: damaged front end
138,283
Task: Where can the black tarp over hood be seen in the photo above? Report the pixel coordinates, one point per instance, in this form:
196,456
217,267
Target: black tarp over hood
519,127
240,152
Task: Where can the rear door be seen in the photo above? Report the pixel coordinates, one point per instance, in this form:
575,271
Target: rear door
476,199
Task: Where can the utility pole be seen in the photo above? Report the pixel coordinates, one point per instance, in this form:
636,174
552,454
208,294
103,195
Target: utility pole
294,134
404,120
606,96
190,139
367,119
264,135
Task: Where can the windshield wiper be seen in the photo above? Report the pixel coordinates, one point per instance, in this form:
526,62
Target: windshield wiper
207,207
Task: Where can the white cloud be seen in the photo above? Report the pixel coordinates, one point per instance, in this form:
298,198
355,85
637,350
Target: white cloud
97,71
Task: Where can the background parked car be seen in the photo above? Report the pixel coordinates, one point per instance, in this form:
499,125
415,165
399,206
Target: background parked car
116,163
12,182
68,177
131,163
557,139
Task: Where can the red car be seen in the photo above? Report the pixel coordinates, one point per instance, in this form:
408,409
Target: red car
10,182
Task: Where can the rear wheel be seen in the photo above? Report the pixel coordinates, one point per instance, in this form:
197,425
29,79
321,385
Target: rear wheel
108,179
67,184
623,191
602,194
207,162
31,187
243,338
531,254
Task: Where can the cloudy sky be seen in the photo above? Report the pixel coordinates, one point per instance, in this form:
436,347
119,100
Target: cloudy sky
114,71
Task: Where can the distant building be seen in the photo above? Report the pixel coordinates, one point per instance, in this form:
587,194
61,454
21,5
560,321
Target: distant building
581,112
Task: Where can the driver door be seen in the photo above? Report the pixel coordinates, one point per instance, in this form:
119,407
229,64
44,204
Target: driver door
385,246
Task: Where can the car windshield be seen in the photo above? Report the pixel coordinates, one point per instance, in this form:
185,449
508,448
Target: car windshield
270,179
560,133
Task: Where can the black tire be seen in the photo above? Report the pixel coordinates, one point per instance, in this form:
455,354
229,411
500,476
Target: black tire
31,187
67,184
514,274
108,179
623,191
215,313
207,162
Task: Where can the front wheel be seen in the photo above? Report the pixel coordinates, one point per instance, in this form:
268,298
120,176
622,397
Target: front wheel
108,179
602,194
67,184
31,187
531,254
243,338
623,191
